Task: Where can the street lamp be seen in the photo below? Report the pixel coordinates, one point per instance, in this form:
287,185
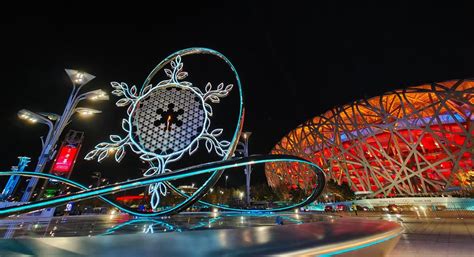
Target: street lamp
96,95
87,111
248,169
226,177
78,79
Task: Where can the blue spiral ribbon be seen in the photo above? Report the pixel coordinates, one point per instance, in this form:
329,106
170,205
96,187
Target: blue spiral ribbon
211,167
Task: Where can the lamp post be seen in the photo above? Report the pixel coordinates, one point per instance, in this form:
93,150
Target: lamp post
13,180
248,169
97,175
56,123
226,177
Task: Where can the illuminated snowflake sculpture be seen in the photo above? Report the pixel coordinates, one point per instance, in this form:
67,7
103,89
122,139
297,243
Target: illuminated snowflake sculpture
165,122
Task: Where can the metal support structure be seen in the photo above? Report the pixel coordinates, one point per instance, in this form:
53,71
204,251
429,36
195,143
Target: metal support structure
79,79
248,169
13,180
415,141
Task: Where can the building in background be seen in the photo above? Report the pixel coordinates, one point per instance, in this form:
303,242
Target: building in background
414,141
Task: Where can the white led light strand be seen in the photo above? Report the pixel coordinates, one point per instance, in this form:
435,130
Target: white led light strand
165,122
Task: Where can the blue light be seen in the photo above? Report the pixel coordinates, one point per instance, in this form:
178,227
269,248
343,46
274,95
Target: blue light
221,165
155,222
174,58
355,248
165,176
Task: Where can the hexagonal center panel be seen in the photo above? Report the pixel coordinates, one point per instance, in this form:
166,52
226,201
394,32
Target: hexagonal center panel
168,119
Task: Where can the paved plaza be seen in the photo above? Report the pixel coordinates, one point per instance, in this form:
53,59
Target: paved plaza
446,233
229,234
436,234
436,237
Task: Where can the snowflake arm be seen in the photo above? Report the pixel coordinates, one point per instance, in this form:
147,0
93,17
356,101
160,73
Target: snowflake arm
215,95
121,89
165,121
103,149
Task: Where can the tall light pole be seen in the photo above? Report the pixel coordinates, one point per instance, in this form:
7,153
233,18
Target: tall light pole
248,169
56,123
97,175
13,180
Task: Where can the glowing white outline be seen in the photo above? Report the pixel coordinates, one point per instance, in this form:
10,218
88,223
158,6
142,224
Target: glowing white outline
221,148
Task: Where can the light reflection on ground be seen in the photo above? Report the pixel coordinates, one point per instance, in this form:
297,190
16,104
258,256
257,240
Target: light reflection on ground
101,225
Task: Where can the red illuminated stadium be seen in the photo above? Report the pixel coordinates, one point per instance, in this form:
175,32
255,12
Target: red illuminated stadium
415,141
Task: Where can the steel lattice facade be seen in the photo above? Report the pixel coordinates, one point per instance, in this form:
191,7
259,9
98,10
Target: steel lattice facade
413,141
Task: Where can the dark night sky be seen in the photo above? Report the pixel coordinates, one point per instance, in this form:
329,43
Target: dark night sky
295,62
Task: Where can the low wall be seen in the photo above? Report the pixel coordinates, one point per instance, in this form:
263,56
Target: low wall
451,203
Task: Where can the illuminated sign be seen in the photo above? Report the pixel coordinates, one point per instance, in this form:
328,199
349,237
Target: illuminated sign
129,197
69,206
65,159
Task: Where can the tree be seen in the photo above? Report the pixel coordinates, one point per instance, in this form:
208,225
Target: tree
340,192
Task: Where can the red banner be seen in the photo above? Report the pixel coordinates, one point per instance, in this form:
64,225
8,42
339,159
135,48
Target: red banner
65,159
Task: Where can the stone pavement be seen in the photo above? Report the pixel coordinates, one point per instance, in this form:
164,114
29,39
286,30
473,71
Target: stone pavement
430,233
436,237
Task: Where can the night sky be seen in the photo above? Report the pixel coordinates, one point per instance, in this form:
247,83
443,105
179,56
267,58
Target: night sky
295,62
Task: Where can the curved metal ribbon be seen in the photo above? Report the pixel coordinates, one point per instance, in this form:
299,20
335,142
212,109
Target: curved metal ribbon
212,167
214,177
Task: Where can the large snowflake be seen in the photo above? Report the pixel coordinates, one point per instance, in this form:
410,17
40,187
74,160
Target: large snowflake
165,122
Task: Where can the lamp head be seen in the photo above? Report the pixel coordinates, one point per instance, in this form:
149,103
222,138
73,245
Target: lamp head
79,78
28,115
97,95
86,112
246,135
